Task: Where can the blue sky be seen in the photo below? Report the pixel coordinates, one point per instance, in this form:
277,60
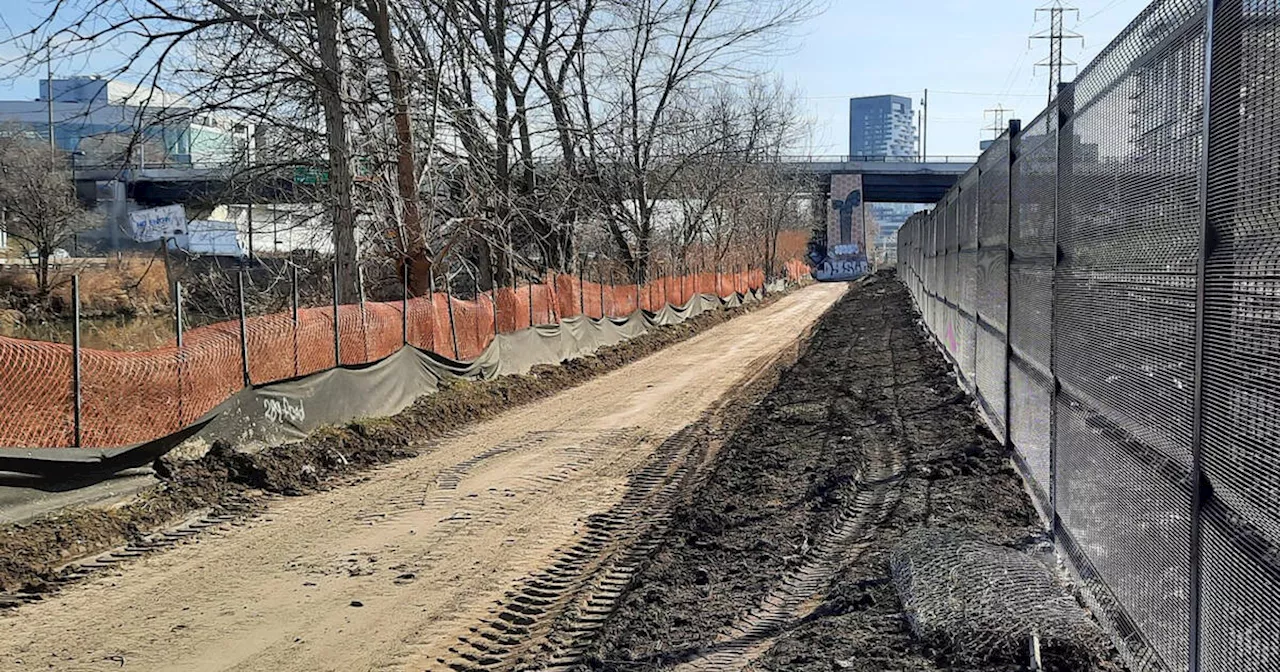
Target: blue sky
976,49
972,54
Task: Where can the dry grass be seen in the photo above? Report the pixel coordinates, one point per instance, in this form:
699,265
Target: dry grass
127,286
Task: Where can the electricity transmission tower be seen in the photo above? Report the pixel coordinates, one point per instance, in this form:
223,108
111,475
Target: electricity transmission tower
1057,35
998,125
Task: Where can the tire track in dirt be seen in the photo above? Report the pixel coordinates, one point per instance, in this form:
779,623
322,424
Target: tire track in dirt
382,573
549,621
798,593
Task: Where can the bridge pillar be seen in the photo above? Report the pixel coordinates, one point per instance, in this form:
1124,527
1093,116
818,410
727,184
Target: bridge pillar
844,252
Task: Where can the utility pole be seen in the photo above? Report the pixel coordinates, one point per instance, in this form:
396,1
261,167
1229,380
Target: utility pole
919,152
924,132
1056,35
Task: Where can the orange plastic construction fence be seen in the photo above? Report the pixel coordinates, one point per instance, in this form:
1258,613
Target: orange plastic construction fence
133,397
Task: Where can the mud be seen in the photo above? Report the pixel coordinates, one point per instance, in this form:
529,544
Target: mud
870,396
32,553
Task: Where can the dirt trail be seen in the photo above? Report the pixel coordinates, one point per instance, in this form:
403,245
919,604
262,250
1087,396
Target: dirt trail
779,561
390,573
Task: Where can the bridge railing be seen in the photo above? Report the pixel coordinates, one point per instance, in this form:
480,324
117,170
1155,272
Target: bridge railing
848,158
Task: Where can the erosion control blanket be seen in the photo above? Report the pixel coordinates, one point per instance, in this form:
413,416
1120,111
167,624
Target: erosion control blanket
287,411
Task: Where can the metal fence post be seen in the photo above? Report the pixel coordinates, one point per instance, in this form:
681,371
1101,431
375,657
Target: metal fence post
1015,128
493,301
337,342
529,286
582,285
177,332
177,312
244,330
453,326
1224,26
77,401
977,255
364,321
1065,153
293,301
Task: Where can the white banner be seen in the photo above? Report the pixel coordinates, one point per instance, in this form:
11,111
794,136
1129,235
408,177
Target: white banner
148,226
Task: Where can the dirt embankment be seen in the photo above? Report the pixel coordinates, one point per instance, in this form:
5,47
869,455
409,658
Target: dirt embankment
31,552
869,429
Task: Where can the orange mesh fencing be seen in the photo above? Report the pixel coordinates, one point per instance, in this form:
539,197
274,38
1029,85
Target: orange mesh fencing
134,397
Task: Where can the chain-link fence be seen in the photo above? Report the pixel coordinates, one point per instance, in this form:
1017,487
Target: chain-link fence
1107,282
61,395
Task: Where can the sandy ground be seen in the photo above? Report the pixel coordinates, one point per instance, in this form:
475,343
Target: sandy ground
386,573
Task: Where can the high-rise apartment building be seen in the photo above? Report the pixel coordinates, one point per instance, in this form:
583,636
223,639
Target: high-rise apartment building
881,126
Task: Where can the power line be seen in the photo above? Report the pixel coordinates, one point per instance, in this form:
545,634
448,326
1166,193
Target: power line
1098,13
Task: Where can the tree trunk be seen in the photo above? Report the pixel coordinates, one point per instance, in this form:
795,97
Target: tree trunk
414,243
342,205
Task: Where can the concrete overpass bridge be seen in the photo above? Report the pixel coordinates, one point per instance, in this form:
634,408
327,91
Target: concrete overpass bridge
880,179
886,179
890,179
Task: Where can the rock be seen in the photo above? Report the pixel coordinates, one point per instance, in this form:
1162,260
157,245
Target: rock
357,603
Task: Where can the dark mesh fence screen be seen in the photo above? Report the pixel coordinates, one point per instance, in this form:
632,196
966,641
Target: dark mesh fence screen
1143,326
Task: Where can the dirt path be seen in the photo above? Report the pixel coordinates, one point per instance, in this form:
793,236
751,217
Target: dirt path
779,561
396,571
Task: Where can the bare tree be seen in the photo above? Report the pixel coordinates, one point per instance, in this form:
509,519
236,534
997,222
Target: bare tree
38,200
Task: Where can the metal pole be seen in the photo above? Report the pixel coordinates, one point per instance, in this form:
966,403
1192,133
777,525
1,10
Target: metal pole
1066,109
666,281
924,142
337,345
453,326
432,296
293,301
582,285
177,312
244,332
364,322
493,286
1015,128
1222,85
177,330
76,398
493,300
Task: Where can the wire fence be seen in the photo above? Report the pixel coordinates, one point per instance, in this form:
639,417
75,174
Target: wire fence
1106,281
55,395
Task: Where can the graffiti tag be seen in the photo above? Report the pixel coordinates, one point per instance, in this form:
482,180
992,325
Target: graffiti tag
281,411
